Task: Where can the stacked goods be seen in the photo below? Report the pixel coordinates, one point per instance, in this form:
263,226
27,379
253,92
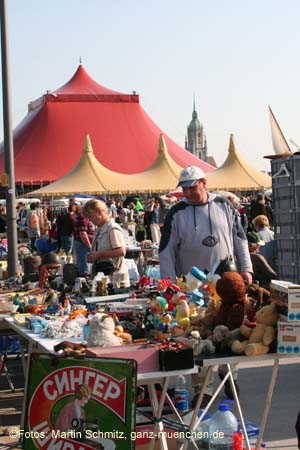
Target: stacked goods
287,298
286,212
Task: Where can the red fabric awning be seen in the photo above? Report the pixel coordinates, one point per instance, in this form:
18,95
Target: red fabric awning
48,142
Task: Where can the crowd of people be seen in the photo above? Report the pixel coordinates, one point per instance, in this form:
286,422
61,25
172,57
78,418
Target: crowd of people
196,228
68,230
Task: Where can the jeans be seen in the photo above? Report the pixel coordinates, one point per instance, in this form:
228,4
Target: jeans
81,252
66,243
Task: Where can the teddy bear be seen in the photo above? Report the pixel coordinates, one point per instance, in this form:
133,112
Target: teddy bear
258,339
232,291
260,295
201,346
123,335
102,331
205,321
71,348
222,338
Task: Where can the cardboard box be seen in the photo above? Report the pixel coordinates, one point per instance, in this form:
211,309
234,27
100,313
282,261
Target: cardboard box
287,297
146,355
288,338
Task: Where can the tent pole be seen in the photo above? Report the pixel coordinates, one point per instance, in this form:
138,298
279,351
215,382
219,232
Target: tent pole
9,177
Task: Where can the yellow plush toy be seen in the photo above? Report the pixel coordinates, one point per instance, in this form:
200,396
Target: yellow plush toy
259,338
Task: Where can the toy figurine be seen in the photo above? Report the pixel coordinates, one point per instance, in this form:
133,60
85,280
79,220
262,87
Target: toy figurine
67,306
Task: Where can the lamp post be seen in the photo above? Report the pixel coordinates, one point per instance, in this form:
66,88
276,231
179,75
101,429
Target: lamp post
9,176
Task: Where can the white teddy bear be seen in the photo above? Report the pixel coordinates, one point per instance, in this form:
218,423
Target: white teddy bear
102,329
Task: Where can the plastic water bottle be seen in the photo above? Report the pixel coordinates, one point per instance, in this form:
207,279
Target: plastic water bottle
181,395
221,428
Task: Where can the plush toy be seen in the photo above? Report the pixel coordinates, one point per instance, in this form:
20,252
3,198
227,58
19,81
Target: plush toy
259,338
201,346
223,338
205,322
261,295
121,334
102,331
232,291
71,348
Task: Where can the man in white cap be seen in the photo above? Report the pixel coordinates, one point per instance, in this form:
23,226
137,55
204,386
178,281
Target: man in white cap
201,230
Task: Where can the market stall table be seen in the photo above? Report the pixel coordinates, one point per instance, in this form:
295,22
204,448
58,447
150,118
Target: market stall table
38,343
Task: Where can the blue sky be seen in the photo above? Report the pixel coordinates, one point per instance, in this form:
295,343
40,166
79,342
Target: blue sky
236,56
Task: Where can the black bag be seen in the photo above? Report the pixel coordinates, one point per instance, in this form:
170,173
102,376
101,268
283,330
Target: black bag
107,267
226,265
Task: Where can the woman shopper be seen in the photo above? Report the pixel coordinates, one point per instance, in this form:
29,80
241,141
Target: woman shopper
108,248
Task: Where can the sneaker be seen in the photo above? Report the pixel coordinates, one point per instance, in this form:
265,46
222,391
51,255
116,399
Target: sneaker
206,399
227,389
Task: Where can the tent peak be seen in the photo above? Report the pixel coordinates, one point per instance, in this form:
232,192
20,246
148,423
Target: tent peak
162,146
87,147
232,147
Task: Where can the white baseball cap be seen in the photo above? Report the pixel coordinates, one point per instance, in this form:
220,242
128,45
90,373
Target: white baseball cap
190,175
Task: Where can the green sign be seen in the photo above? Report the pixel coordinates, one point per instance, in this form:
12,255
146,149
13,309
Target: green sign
78,404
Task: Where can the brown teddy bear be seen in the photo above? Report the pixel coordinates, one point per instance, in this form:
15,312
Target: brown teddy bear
71,348
232,290
204,322
259,338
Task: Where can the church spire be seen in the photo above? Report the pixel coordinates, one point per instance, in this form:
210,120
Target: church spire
196,139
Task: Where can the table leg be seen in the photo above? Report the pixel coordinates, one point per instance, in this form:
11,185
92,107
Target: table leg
157,407
22,423
263,421
236,398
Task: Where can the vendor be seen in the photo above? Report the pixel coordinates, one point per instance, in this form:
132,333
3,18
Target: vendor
108,248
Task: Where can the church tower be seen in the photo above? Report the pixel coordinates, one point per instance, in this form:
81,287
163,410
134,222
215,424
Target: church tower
195,142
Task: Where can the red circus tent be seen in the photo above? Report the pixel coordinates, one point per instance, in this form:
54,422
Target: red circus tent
48,142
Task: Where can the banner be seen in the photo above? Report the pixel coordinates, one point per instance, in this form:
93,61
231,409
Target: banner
78,404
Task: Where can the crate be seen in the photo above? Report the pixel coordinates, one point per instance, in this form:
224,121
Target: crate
283,197
288,270
288,167
288,248
286,223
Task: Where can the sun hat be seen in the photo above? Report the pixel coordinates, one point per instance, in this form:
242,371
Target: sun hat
253,238
189,176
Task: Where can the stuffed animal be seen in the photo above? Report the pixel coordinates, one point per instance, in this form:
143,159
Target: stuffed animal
102,331
232,291
258,339
261,295
201,346
204,322
71,348
222,338
121,334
